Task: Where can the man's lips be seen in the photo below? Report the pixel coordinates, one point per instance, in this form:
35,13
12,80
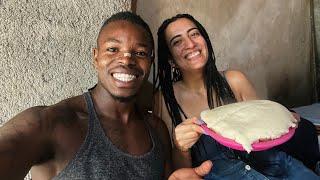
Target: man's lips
124,77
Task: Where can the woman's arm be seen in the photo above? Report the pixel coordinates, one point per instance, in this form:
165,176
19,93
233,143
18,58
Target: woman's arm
186,134
243,89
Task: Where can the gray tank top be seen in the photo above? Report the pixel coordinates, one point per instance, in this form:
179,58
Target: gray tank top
98,158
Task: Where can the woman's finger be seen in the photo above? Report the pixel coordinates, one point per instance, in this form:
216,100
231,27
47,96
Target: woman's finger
189,128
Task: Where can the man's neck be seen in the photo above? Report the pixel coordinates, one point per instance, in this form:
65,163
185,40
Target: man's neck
110,107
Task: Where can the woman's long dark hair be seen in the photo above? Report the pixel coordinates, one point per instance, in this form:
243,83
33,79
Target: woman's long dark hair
217,87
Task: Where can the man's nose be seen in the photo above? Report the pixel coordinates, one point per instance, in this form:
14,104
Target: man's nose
127,59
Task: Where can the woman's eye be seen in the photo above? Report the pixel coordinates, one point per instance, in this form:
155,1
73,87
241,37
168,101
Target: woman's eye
176,43
112,49
195,34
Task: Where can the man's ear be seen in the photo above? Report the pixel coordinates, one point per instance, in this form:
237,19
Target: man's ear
95,57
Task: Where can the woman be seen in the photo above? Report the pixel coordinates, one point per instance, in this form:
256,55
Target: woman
189,83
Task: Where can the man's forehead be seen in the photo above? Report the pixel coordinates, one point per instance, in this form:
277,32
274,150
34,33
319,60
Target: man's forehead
122,29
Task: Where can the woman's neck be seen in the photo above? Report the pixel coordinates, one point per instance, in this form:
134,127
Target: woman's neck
193,81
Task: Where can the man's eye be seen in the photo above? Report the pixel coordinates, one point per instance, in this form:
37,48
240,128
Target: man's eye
112,49
141,54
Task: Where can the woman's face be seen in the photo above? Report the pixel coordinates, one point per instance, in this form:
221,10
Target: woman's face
187,46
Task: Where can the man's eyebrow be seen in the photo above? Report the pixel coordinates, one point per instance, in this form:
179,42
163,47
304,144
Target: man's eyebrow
112,40
119,41
142,44
174,37
108,40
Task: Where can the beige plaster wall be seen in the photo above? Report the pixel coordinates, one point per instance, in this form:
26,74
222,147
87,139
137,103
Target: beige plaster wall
45,49
268,40
316,11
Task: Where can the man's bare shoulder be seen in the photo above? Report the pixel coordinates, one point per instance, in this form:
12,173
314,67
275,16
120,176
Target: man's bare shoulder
160,127
60,111
45,118
162,132
29,137
155,121
66,111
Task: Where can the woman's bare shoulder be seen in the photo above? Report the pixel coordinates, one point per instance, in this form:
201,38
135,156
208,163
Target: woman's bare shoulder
234,76
240,85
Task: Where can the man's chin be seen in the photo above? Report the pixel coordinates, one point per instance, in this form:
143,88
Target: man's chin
124,99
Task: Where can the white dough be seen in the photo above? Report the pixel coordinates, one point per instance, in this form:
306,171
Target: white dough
247,122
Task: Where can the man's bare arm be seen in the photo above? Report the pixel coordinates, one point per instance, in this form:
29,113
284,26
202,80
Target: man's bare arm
179,159
23,143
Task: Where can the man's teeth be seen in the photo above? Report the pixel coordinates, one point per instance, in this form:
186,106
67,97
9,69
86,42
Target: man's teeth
124,77
193,54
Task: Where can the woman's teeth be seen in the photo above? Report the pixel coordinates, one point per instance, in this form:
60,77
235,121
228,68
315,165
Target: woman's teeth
193,54
123,77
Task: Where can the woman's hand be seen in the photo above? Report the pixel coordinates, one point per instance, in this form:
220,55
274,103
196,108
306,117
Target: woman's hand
187,134
297,117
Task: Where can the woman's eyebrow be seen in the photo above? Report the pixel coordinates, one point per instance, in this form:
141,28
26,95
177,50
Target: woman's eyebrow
191,29
174,37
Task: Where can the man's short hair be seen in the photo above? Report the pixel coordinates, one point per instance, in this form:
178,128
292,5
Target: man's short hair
130,17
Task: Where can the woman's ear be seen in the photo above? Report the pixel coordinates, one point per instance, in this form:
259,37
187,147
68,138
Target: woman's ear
172,64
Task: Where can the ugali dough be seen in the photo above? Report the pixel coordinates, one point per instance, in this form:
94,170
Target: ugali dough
247,122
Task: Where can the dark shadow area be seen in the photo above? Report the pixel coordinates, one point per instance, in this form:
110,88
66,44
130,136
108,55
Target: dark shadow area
145,96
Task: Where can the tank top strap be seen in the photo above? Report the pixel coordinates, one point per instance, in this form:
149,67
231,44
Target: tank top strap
89,102
223,74
151,131
94,127
227,100
90,108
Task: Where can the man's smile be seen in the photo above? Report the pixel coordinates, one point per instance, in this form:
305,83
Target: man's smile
124,77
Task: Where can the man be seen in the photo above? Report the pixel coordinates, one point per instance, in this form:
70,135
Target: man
101,134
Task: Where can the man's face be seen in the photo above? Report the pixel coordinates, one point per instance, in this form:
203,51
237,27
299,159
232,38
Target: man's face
123,58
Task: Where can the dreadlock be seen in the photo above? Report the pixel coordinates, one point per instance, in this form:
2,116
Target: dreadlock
217,87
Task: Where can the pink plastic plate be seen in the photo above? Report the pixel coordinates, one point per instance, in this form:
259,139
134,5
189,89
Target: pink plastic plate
257,146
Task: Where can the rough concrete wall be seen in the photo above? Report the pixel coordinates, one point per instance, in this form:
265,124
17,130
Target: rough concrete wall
46,49
269,40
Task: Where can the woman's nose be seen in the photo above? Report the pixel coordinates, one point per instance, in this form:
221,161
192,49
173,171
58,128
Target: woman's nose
189,43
